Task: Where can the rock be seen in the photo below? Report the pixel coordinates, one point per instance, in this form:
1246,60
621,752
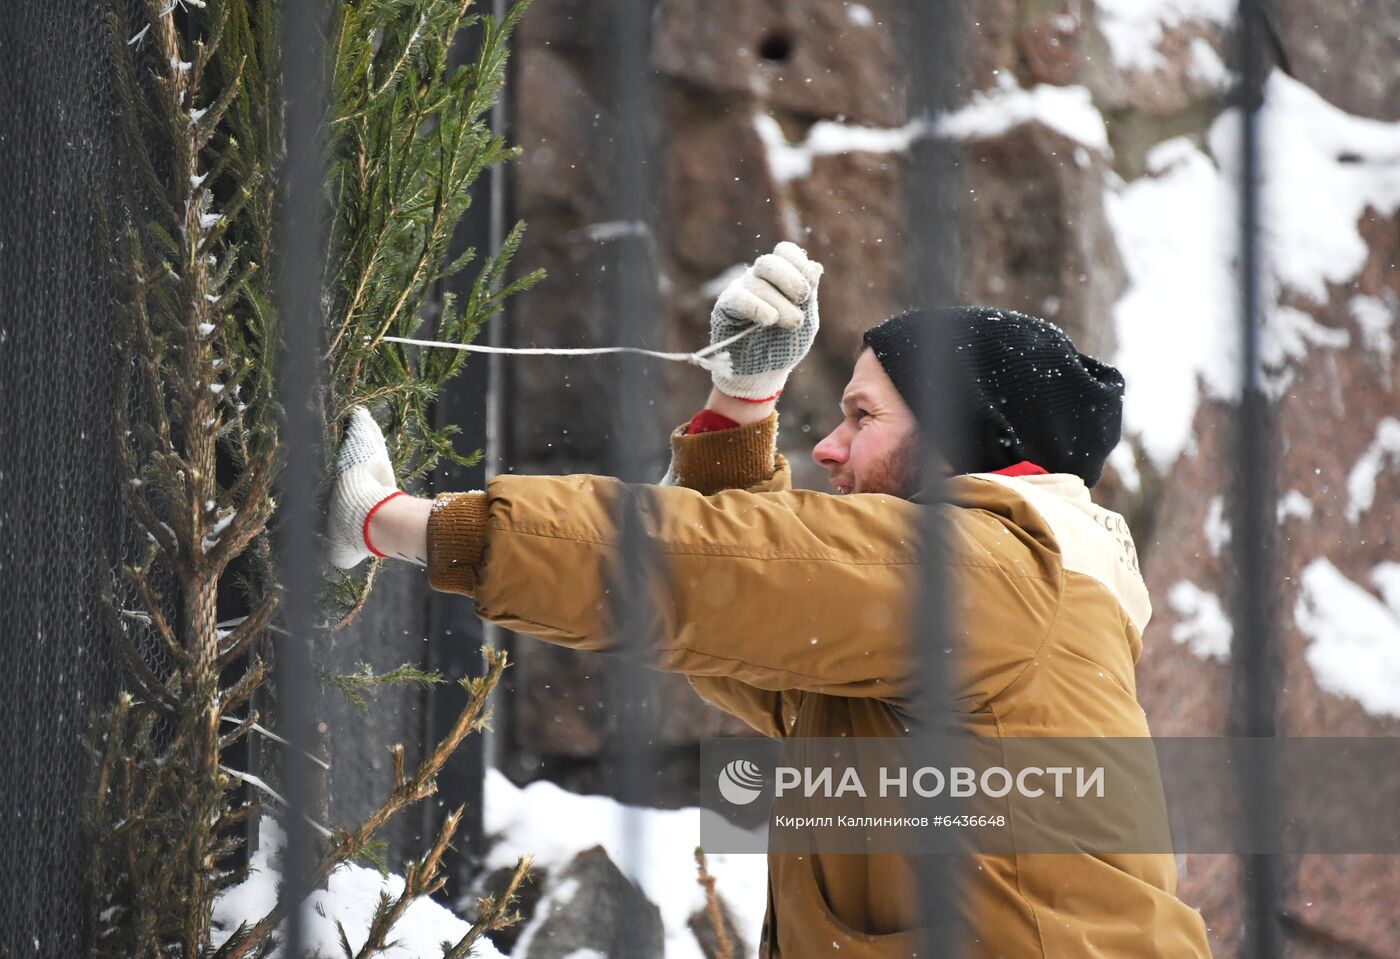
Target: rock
1346,50
851,209
704,929
1051,44
1190,70
566,398
990,51
1326,420
1333,905
1037,238
721,206
555,135
560,726
815,58
563,24
592,905
562,711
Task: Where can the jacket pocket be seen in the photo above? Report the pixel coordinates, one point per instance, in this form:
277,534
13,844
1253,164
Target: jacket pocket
807,927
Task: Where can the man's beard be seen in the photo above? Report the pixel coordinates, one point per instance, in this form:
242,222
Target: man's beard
897,474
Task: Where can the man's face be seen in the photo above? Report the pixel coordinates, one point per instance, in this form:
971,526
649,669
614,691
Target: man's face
875,447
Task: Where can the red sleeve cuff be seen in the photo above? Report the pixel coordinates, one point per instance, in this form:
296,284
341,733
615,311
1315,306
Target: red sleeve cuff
708,421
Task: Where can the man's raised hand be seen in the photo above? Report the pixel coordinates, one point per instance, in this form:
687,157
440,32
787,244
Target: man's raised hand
777,294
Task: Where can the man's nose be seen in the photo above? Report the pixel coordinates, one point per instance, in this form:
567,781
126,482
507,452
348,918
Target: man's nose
830,452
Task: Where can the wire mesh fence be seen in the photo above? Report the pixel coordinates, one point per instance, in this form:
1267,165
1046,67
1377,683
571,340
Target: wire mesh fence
61,522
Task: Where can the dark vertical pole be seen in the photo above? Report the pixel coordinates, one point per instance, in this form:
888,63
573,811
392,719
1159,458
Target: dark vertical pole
498,451
455,634
933,37
632,303
1253,662
303,29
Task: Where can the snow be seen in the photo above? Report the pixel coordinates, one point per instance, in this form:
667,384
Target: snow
351,897
1323,168
614,229
1355,636
1294,504
859,14
1203,628
1124,463
793,161
1134,28
1374,317
1216,527
1206,65
1171,225
211,538
1176,229
1386,576
1361,482
222,523
1068,110
555,825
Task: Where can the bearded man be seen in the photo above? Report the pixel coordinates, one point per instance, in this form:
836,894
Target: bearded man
1051,605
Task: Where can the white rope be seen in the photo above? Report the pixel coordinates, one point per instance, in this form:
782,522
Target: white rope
712,357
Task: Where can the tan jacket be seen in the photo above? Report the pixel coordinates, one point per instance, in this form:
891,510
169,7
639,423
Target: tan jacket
1051,612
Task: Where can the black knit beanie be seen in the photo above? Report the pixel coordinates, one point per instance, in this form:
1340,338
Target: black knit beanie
1030,395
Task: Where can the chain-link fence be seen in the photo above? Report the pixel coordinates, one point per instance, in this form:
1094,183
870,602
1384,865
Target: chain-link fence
60,522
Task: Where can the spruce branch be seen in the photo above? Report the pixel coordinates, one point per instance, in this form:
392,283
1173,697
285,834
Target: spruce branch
421,878
354,686
406,792
493,914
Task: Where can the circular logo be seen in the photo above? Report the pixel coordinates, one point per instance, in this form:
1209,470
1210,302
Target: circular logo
740,782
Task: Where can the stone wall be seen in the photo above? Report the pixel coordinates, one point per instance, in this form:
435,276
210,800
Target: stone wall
783,120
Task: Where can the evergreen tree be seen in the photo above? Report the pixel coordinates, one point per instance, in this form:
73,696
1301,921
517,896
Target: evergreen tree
195,254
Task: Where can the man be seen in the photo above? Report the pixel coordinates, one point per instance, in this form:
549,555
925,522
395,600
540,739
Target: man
791,609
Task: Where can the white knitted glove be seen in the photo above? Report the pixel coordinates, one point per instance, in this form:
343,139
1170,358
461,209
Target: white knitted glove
364,478
779,294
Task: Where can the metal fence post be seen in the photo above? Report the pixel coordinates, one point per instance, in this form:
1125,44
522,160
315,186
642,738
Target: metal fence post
1253,663
302,271
933,35
471,402
631,299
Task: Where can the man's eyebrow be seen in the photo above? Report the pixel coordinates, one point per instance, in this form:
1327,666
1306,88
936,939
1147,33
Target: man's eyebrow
853,397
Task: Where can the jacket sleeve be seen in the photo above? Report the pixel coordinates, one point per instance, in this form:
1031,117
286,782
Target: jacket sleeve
778,590
744,457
